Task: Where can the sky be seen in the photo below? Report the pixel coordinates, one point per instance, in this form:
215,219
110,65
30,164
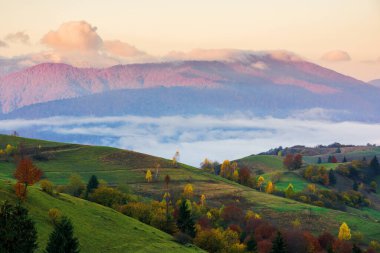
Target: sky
343,35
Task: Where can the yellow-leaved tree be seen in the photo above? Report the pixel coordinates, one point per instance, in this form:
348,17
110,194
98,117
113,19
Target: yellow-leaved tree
344,232
260,182
235,176
148,176
188,191
270,187
225,168
289,191
203,200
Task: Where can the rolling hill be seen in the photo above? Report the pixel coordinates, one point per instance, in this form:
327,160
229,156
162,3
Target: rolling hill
98,228
125,167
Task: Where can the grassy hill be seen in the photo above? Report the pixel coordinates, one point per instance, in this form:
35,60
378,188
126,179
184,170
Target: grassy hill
99,229
125,167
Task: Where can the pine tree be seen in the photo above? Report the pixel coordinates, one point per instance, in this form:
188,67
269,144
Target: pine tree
375,166
93,183
185,221
332,177
319,160
278,244
344,160
62,239
17,231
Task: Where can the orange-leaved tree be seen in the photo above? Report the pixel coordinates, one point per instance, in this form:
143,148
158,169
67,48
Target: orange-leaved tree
26,174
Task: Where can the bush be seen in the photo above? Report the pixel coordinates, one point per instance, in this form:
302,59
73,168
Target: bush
54,215
47,186
108,196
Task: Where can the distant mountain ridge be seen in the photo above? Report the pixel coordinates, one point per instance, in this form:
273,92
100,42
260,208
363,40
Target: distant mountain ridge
262,84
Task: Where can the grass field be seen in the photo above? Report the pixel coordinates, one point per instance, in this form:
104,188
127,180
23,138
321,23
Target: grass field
265,163
98,228
125,167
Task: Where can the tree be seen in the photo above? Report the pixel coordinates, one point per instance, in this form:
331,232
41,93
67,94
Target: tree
297,162
185,221
203,200
17,231
92,184
356,249
373,186
289,192
76,186
176,159
270,187
167,181
344,232
344,160
148,176
332,177
244,176
158,166
47,186
278,244
188,191
374,166
292,162
319,160
260,182
27,174
62,239
251,244
108,196
288,161
225,167
333,159
235,175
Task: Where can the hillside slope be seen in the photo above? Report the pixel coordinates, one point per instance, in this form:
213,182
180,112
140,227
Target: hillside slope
98,228
125,167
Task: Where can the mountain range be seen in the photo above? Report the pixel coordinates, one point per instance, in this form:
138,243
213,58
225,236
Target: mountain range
265,84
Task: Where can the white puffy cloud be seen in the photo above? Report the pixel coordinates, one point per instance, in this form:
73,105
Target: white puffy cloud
336,56
18,37
119,48
73,35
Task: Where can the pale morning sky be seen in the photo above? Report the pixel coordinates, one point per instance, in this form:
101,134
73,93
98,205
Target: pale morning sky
342,34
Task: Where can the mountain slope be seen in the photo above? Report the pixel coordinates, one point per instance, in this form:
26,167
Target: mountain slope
255,82
128,168
98,228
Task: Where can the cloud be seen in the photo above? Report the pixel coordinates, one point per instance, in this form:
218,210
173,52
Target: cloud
3,44
119,48
259,65
19,37
336,56
197,137
73,36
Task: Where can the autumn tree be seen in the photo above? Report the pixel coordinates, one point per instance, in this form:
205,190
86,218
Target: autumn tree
297,161
292,162
235,175
148,176
244,176
203,200
185,221
175,159
26,174
289,191
62,239
260,182
167,181
344,232
188,191
17,231
288,161
76,185
269,188
224,168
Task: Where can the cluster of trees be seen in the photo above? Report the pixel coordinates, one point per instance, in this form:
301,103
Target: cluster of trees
292,161
319,174
24,238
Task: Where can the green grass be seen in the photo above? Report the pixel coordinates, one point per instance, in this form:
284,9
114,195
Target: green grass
126,167
266,163
98,228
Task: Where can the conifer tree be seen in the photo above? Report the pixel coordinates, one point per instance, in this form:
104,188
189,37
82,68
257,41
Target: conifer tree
344,160
279,244
93,183
185,221
62,239
332,177
17,231
375,166
319,160
251,244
